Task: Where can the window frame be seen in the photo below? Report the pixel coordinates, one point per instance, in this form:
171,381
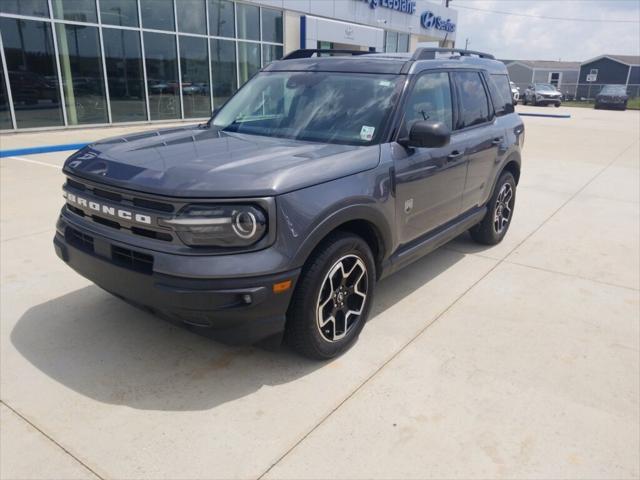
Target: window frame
483,81
487,78
398,129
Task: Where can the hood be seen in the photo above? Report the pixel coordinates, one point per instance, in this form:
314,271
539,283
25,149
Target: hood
205,162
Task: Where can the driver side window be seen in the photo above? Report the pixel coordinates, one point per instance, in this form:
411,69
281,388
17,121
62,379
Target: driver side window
430,100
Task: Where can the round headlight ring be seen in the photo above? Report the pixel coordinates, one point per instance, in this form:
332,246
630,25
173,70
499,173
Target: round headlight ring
240,229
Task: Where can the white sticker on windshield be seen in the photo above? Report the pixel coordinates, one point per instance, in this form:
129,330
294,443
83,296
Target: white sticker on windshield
366,133
384,83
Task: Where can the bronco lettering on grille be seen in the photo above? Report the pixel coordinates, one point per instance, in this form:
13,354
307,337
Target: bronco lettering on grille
108,210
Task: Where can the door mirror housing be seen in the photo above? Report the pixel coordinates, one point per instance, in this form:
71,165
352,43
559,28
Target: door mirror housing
427,134
509,108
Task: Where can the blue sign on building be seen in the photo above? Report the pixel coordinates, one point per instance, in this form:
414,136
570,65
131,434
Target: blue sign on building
404,6
429,20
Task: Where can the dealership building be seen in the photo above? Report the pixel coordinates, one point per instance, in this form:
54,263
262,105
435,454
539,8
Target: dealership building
71,63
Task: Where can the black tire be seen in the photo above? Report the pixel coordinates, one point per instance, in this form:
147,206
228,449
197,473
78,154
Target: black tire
534,102
524,100
557,104
304,332
486,232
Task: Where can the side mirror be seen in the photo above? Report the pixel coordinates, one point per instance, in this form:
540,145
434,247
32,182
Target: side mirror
427,134
509,108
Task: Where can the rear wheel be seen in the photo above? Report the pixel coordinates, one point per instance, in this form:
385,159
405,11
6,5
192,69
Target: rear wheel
333,297
493,227
557,104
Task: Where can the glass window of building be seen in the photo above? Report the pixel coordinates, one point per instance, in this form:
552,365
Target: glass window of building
5,113
194,66
162,75
28,49
157,14
271,25
119,12
125,78
271,53
248,21
223,70
76,10
221,18
82,77
391,43
248,60
35,8
403,42
192,16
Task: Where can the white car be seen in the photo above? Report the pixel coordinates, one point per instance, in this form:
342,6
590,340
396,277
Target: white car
515,92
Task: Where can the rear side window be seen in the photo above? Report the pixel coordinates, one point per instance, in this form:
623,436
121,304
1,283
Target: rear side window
474,104
430,100
500,93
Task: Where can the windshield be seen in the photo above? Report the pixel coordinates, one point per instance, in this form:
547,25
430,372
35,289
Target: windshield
346,108
614,90
545,87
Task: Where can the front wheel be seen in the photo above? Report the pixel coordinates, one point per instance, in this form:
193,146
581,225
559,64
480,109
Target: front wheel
493,227
557,104
333,297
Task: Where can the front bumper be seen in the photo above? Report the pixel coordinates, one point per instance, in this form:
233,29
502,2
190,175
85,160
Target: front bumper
236,310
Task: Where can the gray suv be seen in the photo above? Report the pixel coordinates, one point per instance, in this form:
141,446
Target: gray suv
326,172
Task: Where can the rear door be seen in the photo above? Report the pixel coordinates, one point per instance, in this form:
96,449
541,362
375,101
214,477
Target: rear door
478,134
429,181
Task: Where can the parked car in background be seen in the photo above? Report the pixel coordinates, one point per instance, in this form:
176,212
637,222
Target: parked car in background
613,97
515,92
542,94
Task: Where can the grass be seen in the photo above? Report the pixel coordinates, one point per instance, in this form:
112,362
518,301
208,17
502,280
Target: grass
632,104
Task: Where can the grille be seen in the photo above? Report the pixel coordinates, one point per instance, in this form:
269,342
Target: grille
126,201
79,240
140,262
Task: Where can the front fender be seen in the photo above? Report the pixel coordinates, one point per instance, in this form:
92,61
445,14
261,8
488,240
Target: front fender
307,216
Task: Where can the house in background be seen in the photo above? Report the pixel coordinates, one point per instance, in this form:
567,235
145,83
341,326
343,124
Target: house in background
564,75
609,69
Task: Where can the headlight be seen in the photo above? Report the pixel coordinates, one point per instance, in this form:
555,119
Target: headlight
219,225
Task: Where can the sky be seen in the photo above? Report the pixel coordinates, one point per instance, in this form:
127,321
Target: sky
525,38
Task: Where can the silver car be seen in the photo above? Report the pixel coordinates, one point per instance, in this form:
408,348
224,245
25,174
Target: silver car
542,94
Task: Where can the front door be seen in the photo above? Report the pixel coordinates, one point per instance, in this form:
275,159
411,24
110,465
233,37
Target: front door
429,181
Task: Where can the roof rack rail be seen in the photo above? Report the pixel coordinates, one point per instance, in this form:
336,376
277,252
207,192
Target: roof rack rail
308,52
429,53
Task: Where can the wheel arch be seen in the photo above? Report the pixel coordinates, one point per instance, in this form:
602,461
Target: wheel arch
512,165
362,220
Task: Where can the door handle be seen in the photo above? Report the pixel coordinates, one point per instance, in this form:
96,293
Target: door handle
454,155
497,140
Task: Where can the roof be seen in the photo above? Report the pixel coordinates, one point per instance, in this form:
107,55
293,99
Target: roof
547,64
382,63
626,59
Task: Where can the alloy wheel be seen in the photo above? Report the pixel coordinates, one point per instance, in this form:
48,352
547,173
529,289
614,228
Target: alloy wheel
342,297
503,209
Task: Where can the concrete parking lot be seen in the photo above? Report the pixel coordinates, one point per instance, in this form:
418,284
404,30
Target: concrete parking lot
517,361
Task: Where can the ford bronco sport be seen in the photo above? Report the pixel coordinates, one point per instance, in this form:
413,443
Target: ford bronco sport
320,176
